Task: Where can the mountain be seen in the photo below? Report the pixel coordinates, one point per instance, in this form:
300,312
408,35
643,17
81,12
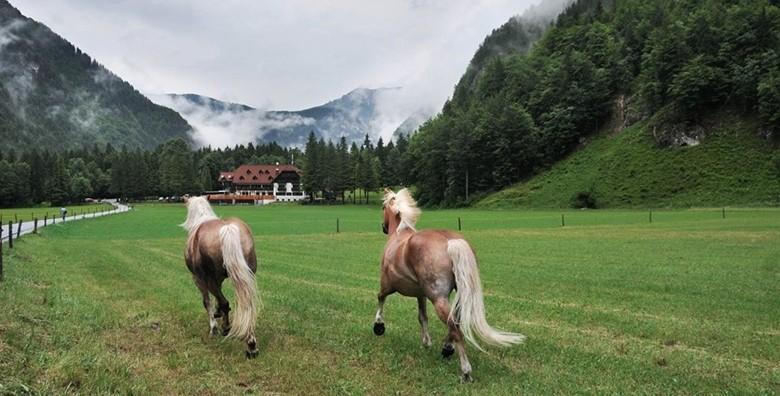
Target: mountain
619,103
411,123
515,36
359,112
52,95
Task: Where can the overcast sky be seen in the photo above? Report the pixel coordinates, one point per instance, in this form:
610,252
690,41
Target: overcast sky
287,54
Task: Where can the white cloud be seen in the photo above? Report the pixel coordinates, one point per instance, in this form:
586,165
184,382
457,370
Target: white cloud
280,54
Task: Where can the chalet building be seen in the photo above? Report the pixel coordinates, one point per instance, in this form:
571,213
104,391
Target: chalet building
260,184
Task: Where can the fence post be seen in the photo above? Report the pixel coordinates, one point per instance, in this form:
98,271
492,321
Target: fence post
651,216
45,218
35,226
1,252
563,222
19,230
459,224
724,213
10,234
337,225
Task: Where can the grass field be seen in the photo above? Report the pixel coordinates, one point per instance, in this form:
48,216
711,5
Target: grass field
27,214
611,303
732,166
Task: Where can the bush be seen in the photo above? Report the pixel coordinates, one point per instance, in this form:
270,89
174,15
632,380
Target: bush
584,199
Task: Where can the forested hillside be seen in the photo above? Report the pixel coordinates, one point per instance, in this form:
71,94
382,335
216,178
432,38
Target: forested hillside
628,170
54,96
674,65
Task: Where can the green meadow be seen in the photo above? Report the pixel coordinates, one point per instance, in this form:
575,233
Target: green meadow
611,304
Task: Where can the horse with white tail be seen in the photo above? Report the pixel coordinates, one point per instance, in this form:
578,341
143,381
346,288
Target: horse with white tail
431,264
218,249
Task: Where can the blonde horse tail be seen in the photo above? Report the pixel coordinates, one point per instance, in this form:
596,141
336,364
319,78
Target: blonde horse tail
468,308
243,279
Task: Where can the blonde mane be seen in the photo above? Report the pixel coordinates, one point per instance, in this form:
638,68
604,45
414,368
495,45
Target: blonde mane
198,212
405,206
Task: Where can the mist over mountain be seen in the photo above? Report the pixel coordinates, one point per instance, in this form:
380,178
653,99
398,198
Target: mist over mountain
373,112
52,95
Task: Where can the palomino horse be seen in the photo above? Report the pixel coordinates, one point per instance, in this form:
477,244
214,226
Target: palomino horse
218,249
430,264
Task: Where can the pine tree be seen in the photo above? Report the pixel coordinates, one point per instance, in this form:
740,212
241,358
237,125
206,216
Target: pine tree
311,170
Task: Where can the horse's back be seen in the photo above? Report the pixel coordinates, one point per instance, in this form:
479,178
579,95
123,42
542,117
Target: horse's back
428,256
432,239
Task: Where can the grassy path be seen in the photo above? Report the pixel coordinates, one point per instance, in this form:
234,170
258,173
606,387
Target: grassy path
28,214
611,304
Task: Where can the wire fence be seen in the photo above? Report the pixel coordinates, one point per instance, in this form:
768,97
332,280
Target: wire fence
477,220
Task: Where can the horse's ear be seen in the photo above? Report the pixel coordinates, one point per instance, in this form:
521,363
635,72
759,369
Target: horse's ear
388,191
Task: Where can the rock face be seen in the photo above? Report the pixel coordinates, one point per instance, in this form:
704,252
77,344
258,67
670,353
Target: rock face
54,96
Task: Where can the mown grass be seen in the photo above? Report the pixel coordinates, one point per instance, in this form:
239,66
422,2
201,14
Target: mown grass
27,214
732,166
611,303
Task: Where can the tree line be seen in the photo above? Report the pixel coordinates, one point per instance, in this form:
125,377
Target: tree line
330,170
174,168
36,176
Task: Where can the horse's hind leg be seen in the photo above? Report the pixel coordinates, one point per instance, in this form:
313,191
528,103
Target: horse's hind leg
379,320
454,336
210,309
251,347
422,316
223,309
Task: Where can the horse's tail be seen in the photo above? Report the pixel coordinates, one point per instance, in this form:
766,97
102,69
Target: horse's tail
468,308
243,278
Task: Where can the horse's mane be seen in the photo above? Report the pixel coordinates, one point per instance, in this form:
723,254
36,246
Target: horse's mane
198,212
405,206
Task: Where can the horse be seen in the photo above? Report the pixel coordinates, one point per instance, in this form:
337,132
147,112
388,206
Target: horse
217,249
430,264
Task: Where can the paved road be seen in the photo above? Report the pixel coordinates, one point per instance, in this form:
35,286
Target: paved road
27,227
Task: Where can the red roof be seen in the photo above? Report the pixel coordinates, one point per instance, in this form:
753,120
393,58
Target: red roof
257,174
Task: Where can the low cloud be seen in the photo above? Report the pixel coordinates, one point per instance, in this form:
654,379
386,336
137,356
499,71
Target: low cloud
219,127
17,73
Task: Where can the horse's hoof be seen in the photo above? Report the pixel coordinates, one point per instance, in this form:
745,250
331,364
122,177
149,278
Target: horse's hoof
379,328
447,351
225,332
213,331
252,354
466,378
